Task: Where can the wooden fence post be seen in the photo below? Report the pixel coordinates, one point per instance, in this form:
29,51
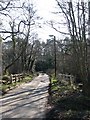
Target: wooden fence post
15,78
11,79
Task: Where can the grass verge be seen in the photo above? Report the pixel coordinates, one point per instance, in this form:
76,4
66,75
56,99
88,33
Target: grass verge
6,87
67,103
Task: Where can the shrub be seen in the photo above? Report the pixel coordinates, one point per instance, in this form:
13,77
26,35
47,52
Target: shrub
5,78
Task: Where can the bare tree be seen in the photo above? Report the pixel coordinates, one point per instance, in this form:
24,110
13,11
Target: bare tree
21,27
77,29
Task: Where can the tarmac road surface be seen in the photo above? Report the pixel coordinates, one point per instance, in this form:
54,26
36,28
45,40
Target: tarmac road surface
26,101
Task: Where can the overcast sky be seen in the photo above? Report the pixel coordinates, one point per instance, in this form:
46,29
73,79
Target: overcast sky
45,9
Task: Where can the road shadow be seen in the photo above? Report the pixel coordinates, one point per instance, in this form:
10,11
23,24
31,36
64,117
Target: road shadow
36,96
20,95
72,107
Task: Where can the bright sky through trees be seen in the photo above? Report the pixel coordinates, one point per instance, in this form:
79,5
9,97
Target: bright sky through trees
46,9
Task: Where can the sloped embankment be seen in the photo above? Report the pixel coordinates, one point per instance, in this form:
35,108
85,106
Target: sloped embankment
67,103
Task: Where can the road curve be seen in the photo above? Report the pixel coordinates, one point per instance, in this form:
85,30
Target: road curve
27,101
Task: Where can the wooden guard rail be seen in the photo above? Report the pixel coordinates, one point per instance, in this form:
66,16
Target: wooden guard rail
68,78
13,79
16,78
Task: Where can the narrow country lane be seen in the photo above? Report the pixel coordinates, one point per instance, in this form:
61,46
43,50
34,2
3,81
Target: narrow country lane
26,101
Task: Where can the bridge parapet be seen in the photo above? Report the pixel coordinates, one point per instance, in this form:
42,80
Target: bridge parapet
66,79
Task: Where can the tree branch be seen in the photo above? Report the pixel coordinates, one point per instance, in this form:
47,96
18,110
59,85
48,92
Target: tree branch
4,8
60,31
